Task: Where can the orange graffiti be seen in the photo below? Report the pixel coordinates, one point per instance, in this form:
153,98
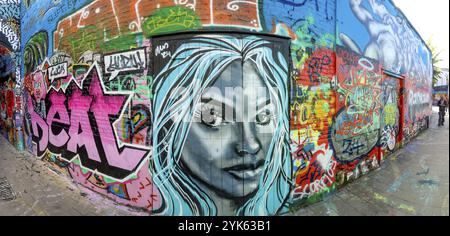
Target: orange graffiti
112,18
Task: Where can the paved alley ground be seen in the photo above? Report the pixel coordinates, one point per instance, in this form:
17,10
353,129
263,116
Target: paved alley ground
413,181
41,192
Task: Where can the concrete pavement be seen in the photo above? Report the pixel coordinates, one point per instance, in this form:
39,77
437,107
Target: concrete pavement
39,191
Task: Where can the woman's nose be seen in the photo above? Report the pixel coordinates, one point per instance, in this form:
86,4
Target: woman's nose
248,143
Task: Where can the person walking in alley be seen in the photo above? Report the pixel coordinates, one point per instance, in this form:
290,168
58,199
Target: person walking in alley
442,104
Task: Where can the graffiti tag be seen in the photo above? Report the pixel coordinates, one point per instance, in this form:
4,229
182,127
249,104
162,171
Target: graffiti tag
58,71
134,60
160,50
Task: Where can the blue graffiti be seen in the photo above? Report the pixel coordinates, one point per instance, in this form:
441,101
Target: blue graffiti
352,146
376,29
52,13
274,12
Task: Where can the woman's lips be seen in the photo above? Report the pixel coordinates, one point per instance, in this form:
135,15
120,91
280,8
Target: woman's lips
246,171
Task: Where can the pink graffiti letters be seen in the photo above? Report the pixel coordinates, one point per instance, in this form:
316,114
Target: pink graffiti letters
80,123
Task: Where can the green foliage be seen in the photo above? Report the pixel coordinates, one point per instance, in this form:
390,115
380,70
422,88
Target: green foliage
437,71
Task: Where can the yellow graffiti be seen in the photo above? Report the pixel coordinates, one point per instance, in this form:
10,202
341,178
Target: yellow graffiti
316,110
407,208
380,197
308,134
390,114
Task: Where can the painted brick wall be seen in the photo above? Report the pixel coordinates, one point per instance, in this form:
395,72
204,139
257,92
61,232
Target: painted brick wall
102,78
11,111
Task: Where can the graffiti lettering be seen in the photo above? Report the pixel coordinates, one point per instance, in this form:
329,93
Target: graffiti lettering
352,146
160,51
315,67
58,71
125,61
87,133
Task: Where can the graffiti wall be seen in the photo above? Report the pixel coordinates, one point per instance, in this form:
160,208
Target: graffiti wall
356,127
378,30
10,80
195,107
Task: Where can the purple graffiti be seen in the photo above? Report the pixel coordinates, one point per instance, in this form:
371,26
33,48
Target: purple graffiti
80,123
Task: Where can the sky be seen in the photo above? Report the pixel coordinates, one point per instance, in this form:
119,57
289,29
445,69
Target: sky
431,19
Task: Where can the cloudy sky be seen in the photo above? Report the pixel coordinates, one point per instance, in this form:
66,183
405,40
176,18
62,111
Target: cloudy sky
431,19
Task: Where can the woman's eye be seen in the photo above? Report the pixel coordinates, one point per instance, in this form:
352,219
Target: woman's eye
264,118
211,118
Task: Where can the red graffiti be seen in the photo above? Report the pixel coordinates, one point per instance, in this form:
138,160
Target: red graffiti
318,68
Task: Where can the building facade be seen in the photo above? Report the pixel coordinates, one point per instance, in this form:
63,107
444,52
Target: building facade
440,88
11,112
110,91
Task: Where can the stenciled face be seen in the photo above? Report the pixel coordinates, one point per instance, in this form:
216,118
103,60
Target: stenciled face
229,135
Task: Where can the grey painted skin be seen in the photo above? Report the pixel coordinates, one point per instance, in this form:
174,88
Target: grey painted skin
226,154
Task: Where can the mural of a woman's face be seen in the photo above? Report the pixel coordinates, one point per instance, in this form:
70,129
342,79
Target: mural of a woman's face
227,152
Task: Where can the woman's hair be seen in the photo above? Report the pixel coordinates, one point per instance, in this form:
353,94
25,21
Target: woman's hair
178,88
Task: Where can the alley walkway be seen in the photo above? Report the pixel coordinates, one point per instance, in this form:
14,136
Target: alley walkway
41,192
413,181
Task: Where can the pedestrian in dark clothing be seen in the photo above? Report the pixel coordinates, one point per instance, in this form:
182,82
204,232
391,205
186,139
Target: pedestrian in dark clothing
442,104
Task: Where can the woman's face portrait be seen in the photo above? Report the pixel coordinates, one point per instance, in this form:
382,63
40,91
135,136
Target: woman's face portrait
221,124
230,132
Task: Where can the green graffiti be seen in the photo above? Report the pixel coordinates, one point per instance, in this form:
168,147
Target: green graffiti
123,42
35,51
122,83
144,88
306,41
88,38
171,19
140,84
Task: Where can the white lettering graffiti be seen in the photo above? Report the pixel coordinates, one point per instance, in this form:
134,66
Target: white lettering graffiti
58,71
9,1
134,60
10,35
318,185
160,51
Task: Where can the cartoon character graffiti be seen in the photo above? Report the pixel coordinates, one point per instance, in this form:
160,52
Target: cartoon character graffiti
39,92
384,42
392,41
206,162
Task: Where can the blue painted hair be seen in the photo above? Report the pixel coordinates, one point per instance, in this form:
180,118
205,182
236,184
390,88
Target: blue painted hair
194,66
